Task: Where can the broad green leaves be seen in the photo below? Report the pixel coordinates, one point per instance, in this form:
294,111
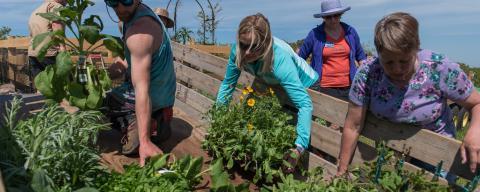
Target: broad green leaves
60,81
43,82
64,64
90,33
114,44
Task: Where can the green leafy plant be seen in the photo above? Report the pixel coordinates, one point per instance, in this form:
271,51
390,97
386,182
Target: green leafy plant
385,174
57,152
159,175
11,157
83,85
221,182
253,133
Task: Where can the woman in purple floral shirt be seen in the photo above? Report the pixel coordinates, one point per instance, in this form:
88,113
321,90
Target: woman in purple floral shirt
407,84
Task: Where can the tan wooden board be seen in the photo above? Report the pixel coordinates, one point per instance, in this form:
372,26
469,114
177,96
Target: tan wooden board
206,62
422,144
200,81
329,169
193,98
329,140
2,186
216,49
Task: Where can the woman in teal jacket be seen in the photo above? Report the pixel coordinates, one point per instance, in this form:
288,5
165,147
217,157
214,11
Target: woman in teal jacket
274,61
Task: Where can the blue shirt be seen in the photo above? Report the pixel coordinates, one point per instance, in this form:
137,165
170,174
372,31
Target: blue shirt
290,71
162,73
315,42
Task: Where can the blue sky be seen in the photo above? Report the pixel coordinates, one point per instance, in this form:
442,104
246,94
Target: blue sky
449,27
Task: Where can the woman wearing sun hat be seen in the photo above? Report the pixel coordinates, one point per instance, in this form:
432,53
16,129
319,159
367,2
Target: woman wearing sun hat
335,47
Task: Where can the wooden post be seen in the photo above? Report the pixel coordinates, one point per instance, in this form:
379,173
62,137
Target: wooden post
10,61
2,186
3,65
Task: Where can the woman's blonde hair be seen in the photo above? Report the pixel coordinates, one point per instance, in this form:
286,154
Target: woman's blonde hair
397,32
261,40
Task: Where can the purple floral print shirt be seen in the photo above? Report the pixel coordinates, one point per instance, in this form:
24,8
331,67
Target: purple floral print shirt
423,102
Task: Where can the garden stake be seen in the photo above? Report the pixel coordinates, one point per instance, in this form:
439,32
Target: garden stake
470,187
438,171
404,187
380,162
400,163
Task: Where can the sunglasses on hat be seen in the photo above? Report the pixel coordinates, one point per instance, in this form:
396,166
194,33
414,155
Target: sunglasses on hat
114,3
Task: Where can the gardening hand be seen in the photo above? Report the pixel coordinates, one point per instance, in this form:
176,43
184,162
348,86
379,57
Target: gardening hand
292,156
341,171
470,148
148,149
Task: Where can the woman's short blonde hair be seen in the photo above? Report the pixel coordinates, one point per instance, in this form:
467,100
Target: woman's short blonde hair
397,32
261,40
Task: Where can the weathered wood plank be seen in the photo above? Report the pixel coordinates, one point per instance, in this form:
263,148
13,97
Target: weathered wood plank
329,108
200,80
199,58
2,186
207,62
313,161
329,140
421,144
193,98
197,79
216,49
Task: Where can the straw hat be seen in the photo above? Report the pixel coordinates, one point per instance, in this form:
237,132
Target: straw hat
163,13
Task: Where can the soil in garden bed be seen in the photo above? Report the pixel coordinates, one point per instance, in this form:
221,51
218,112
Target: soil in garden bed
187,135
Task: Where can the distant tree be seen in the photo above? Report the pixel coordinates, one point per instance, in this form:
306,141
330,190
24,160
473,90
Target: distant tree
202,31
296,45
4,31
184,34
475,70
212,25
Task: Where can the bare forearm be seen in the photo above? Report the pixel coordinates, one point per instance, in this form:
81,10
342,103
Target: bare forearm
475,121
143,112
348,145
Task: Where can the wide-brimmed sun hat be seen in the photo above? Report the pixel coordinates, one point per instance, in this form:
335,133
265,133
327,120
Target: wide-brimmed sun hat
161,12
331,7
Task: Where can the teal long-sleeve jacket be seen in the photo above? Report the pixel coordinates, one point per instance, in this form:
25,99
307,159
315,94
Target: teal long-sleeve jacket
290,71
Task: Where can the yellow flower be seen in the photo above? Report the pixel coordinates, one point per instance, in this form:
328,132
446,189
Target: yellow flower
245,91
250,127
251,102
271,91
241,98
250,90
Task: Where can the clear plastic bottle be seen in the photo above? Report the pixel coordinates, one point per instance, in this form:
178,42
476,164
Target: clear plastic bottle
82,77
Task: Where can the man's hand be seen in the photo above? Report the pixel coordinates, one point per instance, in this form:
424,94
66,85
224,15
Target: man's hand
148,149
341,171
